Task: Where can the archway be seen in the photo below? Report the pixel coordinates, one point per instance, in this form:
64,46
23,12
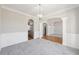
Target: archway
55,30
31,29
44,29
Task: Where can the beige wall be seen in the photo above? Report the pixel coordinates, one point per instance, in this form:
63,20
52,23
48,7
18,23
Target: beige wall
77,20
13,22
0,20
0,28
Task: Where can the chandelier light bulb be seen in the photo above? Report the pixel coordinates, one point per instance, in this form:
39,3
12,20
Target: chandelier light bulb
40,15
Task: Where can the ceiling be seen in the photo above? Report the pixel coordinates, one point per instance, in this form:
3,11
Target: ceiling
33,9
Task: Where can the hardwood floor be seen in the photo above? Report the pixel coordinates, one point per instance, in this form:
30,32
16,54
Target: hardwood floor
30,35
53,38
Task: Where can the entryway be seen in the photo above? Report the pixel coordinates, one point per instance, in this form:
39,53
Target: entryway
55,30
44,29
31,29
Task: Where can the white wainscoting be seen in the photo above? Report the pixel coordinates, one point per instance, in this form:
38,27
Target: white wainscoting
36,34
71,40
0,41
13,38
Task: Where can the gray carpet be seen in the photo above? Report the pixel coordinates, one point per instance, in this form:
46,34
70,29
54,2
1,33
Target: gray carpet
38,47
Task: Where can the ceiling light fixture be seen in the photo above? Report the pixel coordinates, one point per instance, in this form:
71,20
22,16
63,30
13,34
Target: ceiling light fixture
40,15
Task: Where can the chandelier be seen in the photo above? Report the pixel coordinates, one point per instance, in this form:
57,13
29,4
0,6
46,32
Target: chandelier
40,11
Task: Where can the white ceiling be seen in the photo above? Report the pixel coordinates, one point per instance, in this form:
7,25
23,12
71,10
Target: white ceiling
33,9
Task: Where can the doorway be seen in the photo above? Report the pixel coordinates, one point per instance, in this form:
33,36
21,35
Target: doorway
31,29
55,30
44,29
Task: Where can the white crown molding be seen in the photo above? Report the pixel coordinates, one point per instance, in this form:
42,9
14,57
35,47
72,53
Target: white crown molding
17,11
60,11
44,17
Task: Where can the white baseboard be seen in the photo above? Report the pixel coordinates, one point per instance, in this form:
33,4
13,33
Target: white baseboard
71,40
